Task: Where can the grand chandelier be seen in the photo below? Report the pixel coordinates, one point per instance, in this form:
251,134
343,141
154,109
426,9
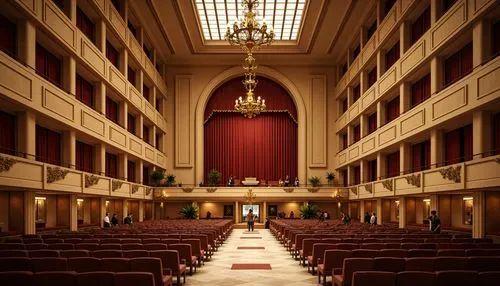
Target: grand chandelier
250,35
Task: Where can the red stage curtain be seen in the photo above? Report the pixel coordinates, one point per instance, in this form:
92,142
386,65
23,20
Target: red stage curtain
393,164
344,178
344,141
357,133
371,30
372,123
496,38
421,90
264,147
7,36
131,123
372,77
131,75
392,110
111,165
84,91
458,145
48,65
7,133
357,175
85,24
145,134
496,134
84,157
392,56
344,105
145,92
356,93
131,171
421,155
421,25
145,175
112,54
111,110
48,146
372,170
458,65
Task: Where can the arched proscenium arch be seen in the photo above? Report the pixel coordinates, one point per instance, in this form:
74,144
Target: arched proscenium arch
262,71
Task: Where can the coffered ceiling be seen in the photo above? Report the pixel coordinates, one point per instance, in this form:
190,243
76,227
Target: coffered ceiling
308,32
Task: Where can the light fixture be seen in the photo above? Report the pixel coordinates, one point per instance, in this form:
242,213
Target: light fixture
250,35
40,198
107,203
79,201
468,198
396,202
427,201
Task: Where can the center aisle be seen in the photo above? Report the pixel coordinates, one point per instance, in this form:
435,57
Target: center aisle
285,270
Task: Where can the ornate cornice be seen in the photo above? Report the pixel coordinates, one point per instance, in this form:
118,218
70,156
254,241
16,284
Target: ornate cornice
55,174
387,184
451,173
413,180
211,190
354,190
91,180
6,163
115,185
288,190
368,188
135,189
187,190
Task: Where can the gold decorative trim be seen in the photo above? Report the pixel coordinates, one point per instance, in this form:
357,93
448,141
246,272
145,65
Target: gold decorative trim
265,111
288,190
135,189
157,193
368,188
115,185
91,180
148,191
413,180
387,184
187,190
312,190
211,190
451,173
6,163
55,174
354,190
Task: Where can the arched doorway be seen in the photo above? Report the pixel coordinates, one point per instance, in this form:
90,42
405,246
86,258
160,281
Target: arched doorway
264,147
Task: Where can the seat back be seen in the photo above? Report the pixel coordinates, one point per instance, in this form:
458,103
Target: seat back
456,277
390,264
36,246
169,241
483,263
74,253
420,264
84,264
416,278
450,263
110,246
155,246
41,264
131,240
148,264
98,278
150,240
352,265
135,253
318,251
73,240
11,246
44,253
347,246
112,240
375,246
115,264
299,238
307,245
184,250
132,246
170,259
374,278
195,245
107,253
451,252
61,246
53,240
134,279
490,278
15,264
13,253
55,278
16,278
88,246
393,253
422,252
392,245
365,253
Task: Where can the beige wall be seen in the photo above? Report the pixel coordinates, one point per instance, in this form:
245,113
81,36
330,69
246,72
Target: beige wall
4,211
51,207
16,208
216,209
410,210
444,210
172,209
457,212
492,212
289,207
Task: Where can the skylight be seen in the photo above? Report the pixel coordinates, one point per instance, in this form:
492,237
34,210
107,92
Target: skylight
284,15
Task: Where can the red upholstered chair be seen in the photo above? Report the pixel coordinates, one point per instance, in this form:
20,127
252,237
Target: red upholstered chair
491,278
297,246
36,246
409,245
98,278
134,279
152,265
135,253
307,247
457,277
185,253
32,240
53,240
482,252
393,253
91,240
451,252
427,246
317,255
169,241
15,264
151,240
73,240
347,246
74,253
61,246
55,278
412,240
115,264
16,278
365,253
483,263
333,260
420,264
84,264
352,265
155,246
132,246
14,253
112,240
376,246
107,254
196,249
389,264
450,263
171,261
392,245
416,278
44,253
373,278
42,264
88,246
11,246
422,253
110,246
131,241
352,240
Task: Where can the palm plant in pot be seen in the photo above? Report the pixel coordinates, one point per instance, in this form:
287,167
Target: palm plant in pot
170,180
315,181
157,176
330,176
189,212
309,211
214,178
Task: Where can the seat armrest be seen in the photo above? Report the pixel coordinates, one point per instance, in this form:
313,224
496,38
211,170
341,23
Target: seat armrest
167,271
338,279
184,261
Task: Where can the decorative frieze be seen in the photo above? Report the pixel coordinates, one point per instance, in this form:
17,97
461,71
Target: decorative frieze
368,188
451,173
55,174
413,180
312,190
115,185
211,190
387,184
148,191
354,190
288,190
135,189
91,180
6,163
187,190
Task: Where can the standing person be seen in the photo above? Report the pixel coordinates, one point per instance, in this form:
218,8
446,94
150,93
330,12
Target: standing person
230,181
114,220
250,219
373,219
435,222
127,219
292,215
367,217
287,181
296,183
106,221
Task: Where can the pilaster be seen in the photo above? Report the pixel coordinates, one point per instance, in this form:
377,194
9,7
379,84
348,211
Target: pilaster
402,212
437,147
381,165
73,213
140,215
481,133
69,150
478,218
26,128
436,75
379,211
29,213
362,211
26,48
100,152
69,74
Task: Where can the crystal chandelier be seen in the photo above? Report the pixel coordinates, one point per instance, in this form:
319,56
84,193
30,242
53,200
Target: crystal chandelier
250,35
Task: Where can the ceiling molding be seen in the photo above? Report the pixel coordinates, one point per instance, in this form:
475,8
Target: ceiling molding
185,31
345,18
161,26
318,25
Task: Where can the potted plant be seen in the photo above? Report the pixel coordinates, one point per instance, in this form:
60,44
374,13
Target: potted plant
330,176
170,180
189,212
214,178
315,181
309,211
157,176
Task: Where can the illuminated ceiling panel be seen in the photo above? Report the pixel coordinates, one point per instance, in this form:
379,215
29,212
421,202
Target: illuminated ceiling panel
285,15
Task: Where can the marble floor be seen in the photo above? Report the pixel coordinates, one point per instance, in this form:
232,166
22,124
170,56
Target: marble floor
285,270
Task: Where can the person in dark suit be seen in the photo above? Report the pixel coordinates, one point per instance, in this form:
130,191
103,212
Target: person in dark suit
367,217
287,181
230,181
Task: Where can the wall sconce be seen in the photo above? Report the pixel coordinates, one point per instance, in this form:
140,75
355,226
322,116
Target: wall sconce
107,203
468,198
427,201
79,201
161,205
339,205
40,198
397,203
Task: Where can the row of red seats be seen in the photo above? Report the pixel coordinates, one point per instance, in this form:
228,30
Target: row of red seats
396,264
162,272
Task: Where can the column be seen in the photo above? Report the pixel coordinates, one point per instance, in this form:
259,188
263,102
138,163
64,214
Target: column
139,164
436,75
101,35
380,12
100,152
69,75
363,125
141,211
69,150
363,172
481,131
123,114
404,157
140,81
349,97
363,81
381,165
435,11
236,212
72,11
404,37
73,213
264,212
379,211
437,147
404,97
362,37
29,213
350,135
350,172
434,203
26,126
152,136
478,218
361,211
402,212
102,209
380,114
139,125
125,208
481,42
123,62
380,63
26,48
122,166
100,98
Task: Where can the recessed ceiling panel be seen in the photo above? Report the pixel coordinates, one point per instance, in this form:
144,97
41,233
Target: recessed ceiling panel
284,15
